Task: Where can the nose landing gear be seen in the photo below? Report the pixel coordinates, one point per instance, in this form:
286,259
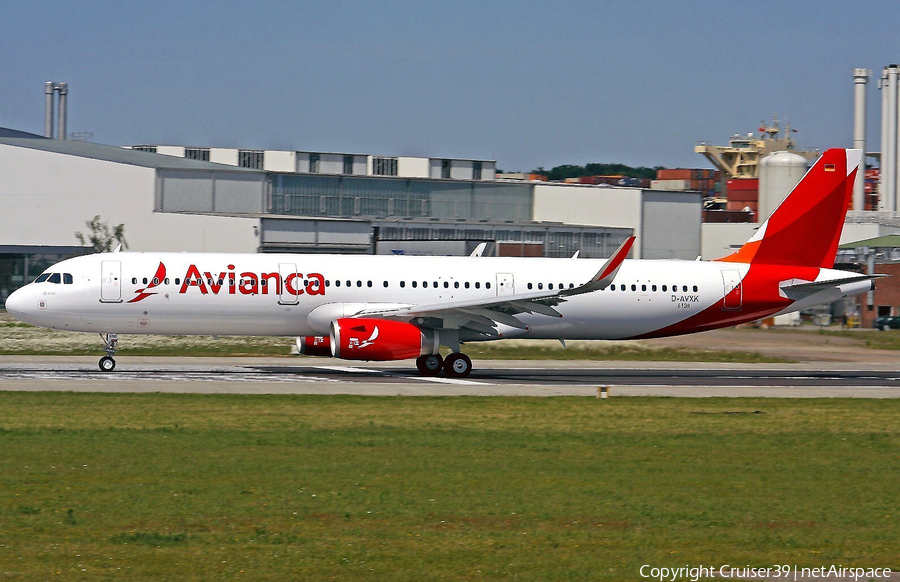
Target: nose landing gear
111,344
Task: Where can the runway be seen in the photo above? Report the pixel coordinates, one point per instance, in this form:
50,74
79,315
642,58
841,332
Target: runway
490,378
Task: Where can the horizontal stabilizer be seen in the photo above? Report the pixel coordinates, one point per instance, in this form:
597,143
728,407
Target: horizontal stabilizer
796,289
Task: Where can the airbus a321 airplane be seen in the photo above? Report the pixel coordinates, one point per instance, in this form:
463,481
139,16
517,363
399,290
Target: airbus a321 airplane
396,307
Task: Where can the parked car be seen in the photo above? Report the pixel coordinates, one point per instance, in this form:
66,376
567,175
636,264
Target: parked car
885,323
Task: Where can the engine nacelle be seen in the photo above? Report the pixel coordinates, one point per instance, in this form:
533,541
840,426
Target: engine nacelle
381,340
314,345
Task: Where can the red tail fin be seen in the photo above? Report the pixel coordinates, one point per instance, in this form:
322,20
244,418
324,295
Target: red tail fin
804,230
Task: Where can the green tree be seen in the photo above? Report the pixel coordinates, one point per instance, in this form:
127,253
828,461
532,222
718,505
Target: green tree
101,237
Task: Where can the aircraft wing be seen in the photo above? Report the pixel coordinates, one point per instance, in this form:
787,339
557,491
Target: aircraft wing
483,315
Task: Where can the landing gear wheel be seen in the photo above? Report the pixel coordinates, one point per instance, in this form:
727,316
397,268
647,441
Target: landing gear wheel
457,365
429,365
107,364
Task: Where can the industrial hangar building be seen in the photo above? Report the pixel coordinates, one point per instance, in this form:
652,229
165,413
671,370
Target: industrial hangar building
187,199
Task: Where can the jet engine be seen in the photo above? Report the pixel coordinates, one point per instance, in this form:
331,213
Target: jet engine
314,345
380,340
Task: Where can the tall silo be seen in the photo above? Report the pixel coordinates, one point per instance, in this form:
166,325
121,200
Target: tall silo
778,174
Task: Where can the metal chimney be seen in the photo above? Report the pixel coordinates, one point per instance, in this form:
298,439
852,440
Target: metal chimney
883,163
49,88
890,194
860,79
63,91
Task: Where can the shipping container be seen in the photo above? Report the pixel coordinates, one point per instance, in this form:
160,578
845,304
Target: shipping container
677,185
728,216
737,184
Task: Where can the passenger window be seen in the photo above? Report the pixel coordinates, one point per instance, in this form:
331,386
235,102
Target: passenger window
178,280
530,285
435,285
145,280
263,283
446,285
478,284
67,278
415,284
43,277
337,283
358,283
349,283
385,284
166,281
368,283
424,284
487,285
328,282
134,280
684,288
664,288
695,288
54,278
653,288
643,287
571,285
402,284
156,281
550,286
467,284
456,284
540,285
634,287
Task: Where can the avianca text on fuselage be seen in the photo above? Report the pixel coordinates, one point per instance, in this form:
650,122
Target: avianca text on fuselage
250,283
230,282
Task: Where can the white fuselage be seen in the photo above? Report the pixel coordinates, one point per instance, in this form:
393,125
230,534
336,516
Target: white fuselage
223,294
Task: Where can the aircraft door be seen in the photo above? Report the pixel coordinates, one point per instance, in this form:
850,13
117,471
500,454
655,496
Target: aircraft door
733,292
111,281
505,284
291,284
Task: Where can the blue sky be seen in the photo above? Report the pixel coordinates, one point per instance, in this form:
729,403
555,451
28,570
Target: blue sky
525,83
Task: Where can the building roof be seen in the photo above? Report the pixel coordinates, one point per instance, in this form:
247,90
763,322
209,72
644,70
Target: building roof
7,132
116,154
890,241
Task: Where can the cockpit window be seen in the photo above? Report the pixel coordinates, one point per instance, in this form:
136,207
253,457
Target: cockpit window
54,278
42,278
67,278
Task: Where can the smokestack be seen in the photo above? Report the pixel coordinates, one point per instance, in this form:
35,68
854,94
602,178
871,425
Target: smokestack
63,90
890,194
48,109
860,79
882,163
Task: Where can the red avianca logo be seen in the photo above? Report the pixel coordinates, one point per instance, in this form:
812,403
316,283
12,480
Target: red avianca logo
158,278
231,283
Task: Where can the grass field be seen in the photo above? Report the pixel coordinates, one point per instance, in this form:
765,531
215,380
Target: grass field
309,487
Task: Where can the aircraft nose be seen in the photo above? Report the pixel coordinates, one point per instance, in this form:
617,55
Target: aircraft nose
16,303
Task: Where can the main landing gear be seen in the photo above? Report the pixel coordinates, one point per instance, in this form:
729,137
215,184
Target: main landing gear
111,344
455,366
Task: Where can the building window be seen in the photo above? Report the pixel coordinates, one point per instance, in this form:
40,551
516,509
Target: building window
145,148
445,169
476,170
384,166
313,163
201,154
250,159
348,164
